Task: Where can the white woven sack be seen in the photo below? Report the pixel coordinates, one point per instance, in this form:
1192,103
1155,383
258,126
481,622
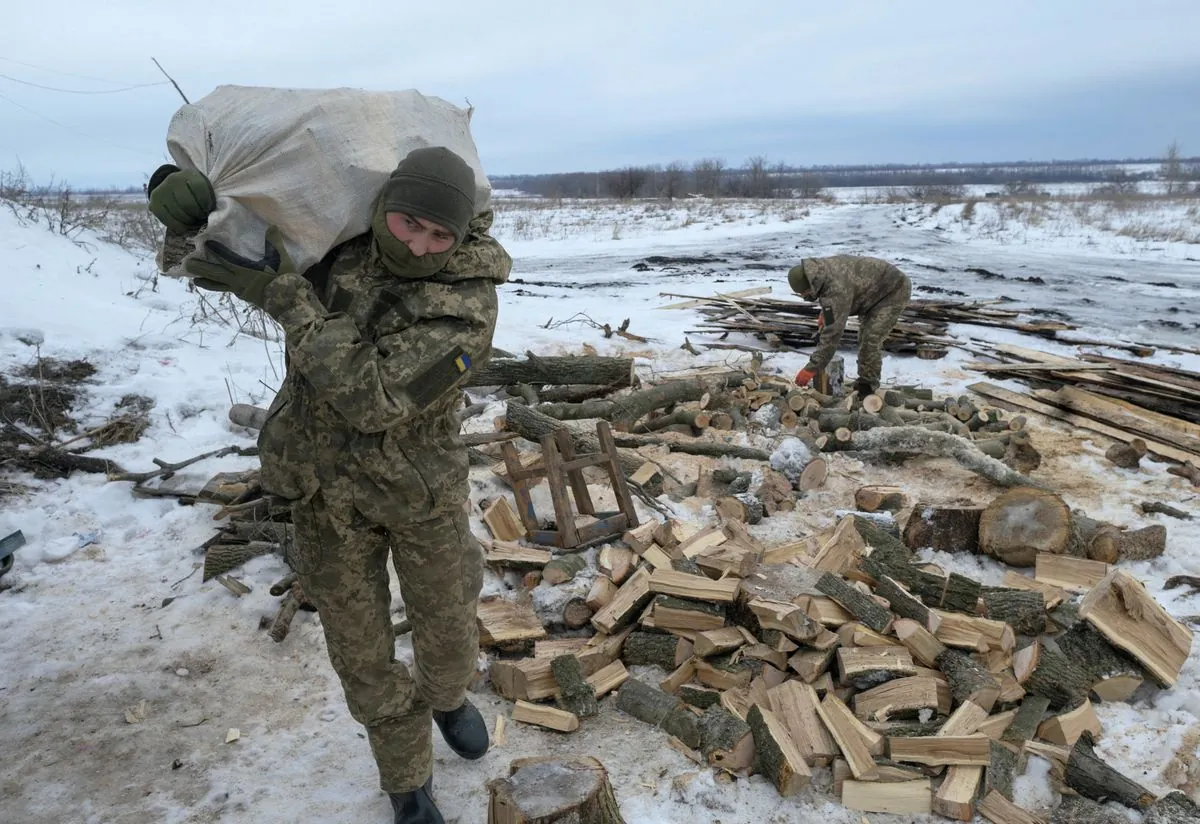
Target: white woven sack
310,161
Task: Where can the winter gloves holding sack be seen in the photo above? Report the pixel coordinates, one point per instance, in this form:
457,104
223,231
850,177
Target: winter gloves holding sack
181,199
228,271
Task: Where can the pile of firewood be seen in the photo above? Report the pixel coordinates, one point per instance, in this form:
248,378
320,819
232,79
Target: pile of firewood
924,691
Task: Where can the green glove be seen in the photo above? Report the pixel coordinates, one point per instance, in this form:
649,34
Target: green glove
181,200
246,278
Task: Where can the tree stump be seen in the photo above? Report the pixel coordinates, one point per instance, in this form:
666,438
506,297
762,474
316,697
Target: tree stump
547,790
1022,522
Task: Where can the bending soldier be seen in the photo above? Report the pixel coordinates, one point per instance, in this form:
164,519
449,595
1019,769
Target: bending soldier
362,442
845,285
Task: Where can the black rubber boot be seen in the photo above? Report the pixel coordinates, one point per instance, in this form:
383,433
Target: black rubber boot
416,807
863,388
464,730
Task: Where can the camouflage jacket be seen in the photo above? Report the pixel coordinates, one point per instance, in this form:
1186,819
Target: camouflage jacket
367,412
846,285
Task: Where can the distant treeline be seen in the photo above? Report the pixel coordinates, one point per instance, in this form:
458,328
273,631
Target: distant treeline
757,177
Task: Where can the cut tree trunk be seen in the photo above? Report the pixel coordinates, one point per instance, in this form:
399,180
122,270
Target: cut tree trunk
1043,670
1022,522
554,371
627,410
575,694
943,527
550,790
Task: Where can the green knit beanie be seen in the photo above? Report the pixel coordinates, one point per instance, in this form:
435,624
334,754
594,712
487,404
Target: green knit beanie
798,280
435,184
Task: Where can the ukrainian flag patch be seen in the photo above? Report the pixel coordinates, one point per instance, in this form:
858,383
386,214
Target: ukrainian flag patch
463,362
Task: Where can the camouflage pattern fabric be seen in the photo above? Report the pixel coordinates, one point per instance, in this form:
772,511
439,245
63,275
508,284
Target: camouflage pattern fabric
845,285
362,444
440,568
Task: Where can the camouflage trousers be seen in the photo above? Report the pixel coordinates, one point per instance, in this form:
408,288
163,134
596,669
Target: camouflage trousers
341,559
874,327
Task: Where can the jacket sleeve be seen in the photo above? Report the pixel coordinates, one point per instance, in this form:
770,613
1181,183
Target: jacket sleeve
836,308
378,384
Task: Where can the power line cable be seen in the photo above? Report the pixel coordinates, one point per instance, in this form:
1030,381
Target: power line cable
59,71
143,152
83,91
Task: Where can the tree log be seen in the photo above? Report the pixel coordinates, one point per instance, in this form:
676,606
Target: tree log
626,410
726,740
222,558
1028,719
1172,808
1025,611
1091,777
968,680
552,790
943,527
1001,768
576,613
575,694
873,498
555,371
1043,670
1021,455
861,606
1115,675
1076,809
650,649
712,449
1023,522
955,593
914,441
563,568
743,507
287,611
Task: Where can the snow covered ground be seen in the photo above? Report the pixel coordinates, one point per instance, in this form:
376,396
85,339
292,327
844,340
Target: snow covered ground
121,674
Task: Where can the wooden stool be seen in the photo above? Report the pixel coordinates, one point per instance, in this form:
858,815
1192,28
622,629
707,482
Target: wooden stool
560,467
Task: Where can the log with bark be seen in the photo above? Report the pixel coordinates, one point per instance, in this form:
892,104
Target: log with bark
550,790
575,694
554,371
1090,776
945,527
1173,808
916,442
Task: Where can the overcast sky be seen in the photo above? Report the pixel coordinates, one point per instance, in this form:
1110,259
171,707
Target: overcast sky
560,85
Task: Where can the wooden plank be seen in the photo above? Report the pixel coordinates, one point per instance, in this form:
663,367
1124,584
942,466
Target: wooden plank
686,585
718,298
1002,395
899,798
1099,407
935,750
1068,573
543,716
850,735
